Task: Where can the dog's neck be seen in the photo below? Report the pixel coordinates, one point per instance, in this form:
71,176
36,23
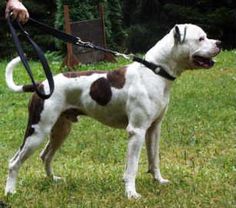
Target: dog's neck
165,56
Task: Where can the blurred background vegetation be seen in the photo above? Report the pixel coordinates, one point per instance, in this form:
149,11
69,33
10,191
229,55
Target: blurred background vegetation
131,25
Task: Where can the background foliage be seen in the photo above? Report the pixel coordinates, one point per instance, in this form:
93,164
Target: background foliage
154,18
131,25
43,10
87,9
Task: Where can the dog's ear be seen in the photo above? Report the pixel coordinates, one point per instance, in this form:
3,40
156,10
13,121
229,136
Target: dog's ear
177,35
179,38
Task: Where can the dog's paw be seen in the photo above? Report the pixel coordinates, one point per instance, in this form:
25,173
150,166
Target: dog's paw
10,187
57,178
163,181
9,191
133,195
157,177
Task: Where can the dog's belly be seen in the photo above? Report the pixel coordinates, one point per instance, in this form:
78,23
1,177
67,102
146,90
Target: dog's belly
113,116
117,121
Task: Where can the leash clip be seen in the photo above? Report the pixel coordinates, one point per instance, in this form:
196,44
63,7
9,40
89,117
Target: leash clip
84,43
128,57
78,41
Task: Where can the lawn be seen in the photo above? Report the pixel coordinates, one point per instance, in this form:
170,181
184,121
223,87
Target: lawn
198,149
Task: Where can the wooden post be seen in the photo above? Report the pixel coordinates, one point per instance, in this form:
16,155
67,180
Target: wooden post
70,59
107,56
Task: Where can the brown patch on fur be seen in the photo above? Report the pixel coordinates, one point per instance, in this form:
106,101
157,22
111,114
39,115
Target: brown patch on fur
35,108
100,91
72,114
117,78
30,87
82,73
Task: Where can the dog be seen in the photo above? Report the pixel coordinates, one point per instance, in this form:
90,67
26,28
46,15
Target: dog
134,98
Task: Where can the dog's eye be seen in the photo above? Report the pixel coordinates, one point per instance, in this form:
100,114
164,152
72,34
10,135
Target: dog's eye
201,39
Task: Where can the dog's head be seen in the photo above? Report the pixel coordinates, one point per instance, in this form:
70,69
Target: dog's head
193,47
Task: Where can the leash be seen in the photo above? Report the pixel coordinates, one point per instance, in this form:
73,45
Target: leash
24,60
157,69
72,39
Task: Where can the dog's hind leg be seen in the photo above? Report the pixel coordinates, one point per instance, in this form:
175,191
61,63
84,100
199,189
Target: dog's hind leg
59,132
30,144
39,126
152,146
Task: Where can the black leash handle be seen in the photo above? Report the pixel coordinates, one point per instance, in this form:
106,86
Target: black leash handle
52,31
40,55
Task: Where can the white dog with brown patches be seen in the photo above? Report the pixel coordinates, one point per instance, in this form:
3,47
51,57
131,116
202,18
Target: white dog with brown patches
134,98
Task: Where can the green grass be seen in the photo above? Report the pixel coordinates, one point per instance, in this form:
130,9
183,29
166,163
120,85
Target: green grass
197,149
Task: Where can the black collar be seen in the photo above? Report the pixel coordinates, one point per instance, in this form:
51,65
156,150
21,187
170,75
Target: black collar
157,69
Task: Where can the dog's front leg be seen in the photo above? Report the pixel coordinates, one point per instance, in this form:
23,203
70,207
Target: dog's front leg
153,146
136,140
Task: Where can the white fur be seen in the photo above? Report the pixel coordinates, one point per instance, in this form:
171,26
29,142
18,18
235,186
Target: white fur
138,107
9,75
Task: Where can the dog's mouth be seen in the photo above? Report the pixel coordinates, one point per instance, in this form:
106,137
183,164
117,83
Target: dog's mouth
204,62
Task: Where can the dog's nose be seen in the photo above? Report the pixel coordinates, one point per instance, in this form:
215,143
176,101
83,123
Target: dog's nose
218,43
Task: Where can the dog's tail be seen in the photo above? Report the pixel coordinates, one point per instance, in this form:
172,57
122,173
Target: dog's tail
11,66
